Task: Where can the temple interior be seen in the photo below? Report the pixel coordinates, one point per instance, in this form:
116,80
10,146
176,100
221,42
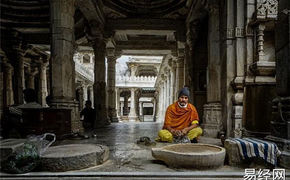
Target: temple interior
130,58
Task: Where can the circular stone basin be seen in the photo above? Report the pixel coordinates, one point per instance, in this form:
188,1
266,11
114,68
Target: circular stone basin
191,155
73,157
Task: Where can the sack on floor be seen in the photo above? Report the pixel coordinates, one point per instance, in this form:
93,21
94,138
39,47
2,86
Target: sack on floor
26,158
42,142
23,160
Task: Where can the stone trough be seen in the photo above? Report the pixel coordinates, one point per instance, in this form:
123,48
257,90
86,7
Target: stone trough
73,157
191,155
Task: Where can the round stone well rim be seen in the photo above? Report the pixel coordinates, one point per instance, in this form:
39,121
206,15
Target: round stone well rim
222,150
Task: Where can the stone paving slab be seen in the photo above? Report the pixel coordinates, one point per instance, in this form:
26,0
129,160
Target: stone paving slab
73,157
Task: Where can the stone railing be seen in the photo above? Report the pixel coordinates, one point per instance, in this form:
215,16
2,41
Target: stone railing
84,71
135,81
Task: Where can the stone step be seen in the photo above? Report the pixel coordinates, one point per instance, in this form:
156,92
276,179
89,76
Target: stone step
208,175
73,157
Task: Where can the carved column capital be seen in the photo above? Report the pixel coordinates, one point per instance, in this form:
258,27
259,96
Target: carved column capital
172,64
8,66
181,53
98,44
94,30
192,33
43,65
110,52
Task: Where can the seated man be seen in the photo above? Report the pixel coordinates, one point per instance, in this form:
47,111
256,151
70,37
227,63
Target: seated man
30,98
181,119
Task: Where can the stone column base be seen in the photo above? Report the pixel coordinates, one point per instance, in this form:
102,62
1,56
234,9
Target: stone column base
124,118
133,119
113,115
283,145
76,125
212,119
114,119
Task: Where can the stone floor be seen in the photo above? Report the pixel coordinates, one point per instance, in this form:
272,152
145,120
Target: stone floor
129,160
128,156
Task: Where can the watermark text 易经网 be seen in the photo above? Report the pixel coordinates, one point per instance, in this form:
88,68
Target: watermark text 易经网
264,174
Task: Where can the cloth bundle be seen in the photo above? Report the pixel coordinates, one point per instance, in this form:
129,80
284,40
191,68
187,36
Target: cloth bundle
252,147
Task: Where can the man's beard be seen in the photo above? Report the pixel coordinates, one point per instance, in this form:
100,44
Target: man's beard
182,104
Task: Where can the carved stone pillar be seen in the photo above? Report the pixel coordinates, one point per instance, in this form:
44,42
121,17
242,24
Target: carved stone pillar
263,69
1,87
118,103
212,117
133,69
173,97
91,90
100,83
80,92
122,109
168,85
141,108
164,96
126,108
180,70
42,93
280,124
132,114
62,67
154,109
31,77
85,91
111,73
6,71
165,91
8,91
19,77
158,105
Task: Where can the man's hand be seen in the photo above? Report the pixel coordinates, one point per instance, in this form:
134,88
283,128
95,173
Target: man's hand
176,132
184,131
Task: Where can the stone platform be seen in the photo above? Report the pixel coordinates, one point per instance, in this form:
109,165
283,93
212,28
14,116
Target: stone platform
73,157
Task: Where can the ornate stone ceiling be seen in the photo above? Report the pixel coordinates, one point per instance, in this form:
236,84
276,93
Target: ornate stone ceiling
173,9
32,19
136,27
145,27
25,16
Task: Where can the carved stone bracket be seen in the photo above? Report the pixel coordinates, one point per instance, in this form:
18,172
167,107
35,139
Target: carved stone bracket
266,9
